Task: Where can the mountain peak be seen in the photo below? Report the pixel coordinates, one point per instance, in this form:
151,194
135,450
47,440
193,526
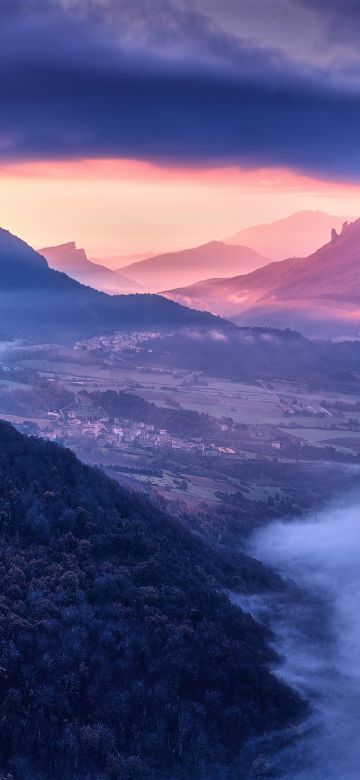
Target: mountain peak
70,259
191,265
318,295
349,231
40,303
68,246
297,235
65,255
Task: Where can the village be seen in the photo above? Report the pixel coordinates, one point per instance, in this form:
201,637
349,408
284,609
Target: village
118,341
68,428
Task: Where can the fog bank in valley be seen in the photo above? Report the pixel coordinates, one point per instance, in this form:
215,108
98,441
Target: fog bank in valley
317,634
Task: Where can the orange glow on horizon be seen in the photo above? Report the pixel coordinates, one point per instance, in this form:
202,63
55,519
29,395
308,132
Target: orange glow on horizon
137,170
122,206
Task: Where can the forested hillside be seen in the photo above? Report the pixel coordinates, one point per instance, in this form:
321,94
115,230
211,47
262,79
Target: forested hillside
120,655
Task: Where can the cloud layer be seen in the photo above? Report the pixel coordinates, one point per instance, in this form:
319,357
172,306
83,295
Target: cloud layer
163,82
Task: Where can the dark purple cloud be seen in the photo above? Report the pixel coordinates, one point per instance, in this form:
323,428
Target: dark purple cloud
341,18
156,81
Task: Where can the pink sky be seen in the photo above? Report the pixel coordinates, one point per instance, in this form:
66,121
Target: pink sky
122,206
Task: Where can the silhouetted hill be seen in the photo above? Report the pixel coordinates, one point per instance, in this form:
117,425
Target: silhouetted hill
318,295
20,264
74,262
190,265
39,303
260,353
297,235
121,657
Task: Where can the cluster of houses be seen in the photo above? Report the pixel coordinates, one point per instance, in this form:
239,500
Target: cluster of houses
118,433
117,342
69,429
296,407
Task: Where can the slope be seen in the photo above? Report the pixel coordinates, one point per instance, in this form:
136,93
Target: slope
120,655
318,295
190,265
39,303
74,262
299,234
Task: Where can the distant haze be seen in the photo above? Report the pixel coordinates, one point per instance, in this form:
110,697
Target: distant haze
298,235
117,207
317,295
191,265
74,262
120,261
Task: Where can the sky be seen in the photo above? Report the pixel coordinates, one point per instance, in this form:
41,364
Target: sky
147,125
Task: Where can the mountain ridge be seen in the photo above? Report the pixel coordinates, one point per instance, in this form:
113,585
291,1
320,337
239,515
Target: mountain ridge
299,234
317,295
192,263
37,302
74,261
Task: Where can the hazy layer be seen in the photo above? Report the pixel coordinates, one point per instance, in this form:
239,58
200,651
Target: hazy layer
321,647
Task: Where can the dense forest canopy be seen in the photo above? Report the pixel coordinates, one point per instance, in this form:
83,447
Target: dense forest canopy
179,421
120,654
257,353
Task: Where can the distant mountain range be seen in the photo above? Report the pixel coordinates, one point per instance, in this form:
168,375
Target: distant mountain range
37,302
74,262
297,235
120,261
191,265
319,295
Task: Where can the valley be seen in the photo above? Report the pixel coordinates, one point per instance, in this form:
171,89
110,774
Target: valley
179,390
233,464
219,432
186,437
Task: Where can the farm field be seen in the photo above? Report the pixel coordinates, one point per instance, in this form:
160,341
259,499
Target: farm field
275,420
241,401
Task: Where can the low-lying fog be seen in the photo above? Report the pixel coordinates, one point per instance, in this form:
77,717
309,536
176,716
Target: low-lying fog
319,638
5,346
